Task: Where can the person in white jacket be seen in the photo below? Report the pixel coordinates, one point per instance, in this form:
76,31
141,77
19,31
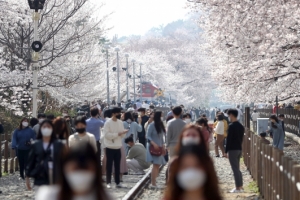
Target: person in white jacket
114,132
219,130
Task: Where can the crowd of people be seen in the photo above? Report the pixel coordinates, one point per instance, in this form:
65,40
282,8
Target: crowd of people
68,159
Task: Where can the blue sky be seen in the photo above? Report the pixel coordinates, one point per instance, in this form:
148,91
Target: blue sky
138,16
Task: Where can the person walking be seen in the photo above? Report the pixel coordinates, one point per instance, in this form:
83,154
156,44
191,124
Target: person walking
114,132
234,148
23,136
44,156
142,134
193,176
240,116
219,131
174,128
81,136
93,126
136,158
80,177
155,137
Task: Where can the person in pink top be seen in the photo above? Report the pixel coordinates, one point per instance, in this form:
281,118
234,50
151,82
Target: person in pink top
206,130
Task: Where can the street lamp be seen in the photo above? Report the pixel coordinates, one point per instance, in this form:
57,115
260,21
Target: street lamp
118,75
36,5
107,74
127,84
133,74
141,88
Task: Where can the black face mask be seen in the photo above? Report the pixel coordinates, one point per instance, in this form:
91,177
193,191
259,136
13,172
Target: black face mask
80,130
118,116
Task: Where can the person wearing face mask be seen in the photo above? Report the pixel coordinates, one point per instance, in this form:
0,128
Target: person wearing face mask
21,142
142,134
155,138
41,118
193,176
43,159
80,177
190,135
174,128
277,131
150,120
113,132
187,118
206,130
81,136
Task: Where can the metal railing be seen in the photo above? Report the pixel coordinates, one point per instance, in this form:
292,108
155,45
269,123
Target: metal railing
8,159
291,121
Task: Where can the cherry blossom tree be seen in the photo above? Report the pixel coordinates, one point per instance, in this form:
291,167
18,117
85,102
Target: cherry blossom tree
253,46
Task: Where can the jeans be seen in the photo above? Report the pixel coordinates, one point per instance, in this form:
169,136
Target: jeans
142,140
234,157
22,158
98,154
113,156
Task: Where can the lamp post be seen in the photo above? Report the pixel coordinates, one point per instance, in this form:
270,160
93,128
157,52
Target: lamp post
107,74
118,75
133,74
36,5
141,88
127,84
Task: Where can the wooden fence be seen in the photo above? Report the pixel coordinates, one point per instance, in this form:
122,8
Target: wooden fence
8,159
277,176
291,121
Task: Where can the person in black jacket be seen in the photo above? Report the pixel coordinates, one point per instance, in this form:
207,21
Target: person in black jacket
44,156
234,148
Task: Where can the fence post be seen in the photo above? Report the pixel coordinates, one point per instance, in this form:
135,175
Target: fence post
247,117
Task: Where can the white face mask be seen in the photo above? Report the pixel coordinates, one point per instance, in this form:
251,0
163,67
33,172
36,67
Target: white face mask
139,113
162,119
129,121
190,141
46,132
188,121
80,181
191,179
25,124
41,120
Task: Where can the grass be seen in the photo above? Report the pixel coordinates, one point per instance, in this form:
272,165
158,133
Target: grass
4,174
252,187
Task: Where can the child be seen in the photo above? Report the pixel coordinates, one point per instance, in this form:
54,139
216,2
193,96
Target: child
263,138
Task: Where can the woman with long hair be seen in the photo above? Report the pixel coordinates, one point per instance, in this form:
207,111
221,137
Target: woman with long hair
155,138
206,130
61,129
23,136
80,177
193,176
277,131
132,126
190,135
44,156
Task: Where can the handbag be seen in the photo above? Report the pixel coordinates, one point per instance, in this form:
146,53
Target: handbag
156,152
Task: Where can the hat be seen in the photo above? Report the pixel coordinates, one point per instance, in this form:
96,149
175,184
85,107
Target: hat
264,134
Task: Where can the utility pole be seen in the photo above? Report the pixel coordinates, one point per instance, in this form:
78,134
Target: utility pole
127,74
141,88
118,75
133,74
107,75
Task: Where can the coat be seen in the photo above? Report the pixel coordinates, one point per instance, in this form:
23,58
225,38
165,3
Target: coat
37,166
